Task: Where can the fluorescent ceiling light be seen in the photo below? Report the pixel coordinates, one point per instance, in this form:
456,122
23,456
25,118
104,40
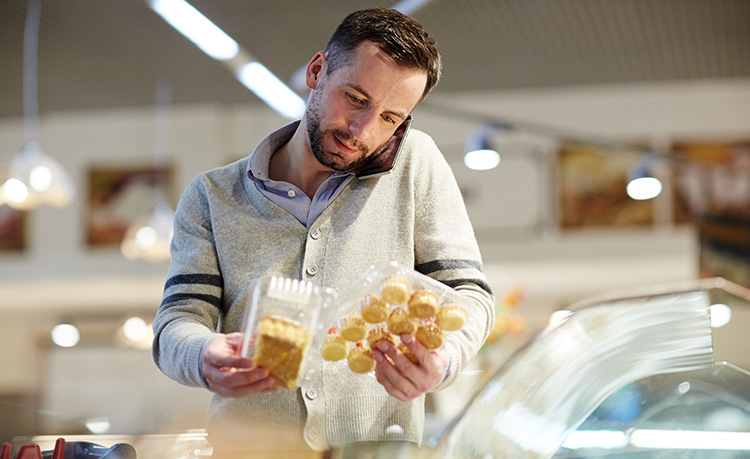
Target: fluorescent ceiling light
257,78
214,42
197,28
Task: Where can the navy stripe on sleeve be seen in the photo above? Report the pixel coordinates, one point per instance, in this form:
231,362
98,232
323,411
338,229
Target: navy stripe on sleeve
210,299
205,279
442,265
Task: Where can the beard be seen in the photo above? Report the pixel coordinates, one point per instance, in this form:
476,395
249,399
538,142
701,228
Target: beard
327,158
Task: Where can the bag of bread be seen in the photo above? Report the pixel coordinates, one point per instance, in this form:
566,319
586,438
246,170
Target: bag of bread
284,319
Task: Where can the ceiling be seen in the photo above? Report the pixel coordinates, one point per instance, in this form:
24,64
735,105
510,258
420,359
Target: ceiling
113,53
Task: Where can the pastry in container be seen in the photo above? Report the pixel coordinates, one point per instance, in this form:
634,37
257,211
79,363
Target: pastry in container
400,321
430,335
451,317
423,304
352,328
395,289
284,319
280,347
360,359
377,333
411,298
334,346
373,309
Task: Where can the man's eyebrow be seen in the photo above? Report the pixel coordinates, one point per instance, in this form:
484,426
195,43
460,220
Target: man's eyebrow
361,90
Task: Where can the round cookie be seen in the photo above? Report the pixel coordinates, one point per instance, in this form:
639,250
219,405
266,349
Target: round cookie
423,304
430,335
352,328
334,347
451,317
360,359
401,321
395,289
373,309
377,333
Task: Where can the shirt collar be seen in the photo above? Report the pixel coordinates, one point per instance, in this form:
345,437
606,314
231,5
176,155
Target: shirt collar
257,166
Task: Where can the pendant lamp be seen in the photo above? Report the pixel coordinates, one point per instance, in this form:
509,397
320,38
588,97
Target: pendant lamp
149,236
34,178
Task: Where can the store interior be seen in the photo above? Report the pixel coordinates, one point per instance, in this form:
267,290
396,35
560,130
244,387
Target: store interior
575,96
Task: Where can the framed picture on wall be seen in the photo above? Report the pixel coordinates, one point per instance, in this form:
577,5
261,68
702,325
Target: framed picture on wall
117,196
12,230
712,178
712,190
591,189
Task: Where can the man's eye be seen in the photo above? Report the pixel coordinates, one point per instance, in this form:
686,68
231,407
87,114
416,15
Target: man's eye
354,99
388,119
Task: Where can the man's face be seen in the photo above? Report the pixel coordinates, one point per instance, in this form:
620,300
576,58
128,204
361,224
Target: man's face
353,111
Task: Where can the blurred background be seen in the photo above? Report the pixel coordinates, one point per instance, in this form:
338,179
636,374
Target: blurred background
107,112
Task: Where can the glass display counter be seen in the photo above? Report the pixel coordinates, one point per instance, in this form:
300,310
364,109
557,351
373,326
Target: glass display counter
630,376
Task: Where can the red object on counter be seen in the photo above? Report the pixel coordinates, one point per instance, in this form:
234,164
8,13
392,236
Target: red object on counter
32,451
29,452
59,449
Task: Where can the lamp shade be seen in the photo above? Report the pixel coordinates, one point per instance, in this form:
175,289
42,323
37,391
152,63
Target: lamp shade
149,238
35,179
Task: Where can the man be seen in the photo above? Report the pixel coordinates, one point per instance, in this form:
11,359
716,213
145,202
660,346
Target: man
312,203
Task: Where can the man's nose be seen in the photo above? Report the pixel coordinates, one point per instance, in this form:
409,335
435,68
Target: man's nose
362,124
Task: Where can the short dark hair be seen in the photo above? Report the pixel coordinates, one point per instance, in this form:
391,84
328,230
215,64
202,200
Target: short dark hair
399,36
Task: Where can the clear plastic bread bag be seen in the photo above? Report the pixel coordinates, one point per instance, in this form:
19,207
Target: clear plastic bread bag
387,300
284,320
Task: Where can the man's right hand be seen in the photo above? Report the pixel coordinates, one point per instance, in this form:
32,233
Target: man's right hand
230,375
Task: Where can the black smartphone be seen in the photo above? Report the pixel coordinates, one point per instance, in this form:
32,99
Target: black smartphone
384,161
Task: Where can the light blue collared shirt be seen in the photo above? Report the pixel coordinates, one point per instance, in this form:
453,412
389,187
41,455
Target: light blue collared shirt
286,195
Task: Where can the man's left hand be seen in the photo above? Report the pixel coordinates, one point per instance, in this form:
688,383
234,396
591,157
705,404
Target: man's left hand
403,378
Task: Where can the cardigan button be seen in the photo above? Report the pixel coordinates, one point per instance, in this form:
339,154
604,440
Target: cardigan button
312,434
312,270
311,393
315,233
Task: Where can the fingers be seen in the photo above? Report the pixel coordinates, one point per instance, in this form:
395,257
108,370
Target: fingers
432,361
223,351
238,382
401,377
230,375
382,374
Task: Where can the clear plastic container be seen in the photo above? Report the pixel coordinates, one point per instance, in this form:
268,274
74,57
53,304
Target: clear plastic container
285,318
390,299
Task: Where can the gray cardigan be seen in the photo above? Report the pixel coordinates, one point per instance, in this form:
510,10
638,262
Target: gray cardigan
227,234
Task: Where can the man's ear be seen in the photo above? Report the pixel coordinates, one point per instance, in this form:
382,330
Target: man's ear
315,69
